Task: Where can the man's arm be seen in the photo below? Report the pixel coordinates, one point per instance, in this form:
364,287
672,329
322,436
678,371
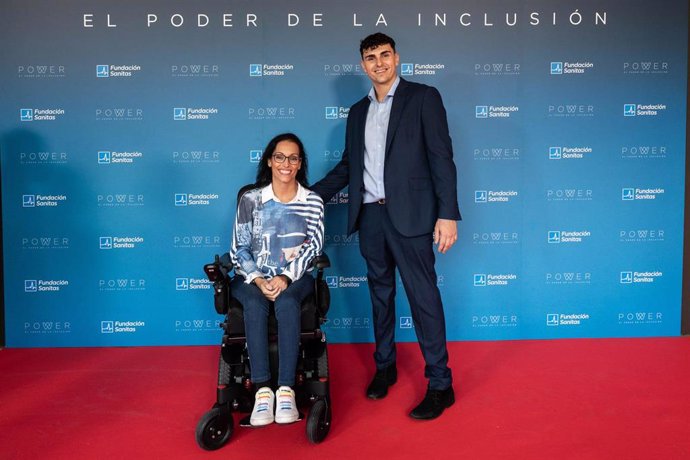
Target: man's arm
440,153
336,179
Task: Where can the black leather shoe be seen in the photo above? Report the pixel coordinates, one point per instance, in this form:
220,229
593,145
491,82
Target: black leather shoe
434,403
378,388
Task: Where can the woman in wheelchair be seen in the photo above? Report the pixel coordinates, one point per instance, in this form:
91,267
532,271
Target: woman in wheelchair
278,231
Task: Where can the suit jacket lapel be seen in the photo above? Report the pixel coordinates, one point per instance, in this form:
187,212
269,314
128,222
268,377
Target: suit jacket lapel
399,100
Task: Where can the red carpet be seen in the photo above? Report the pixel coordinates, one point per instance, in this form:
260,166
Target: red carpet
580,399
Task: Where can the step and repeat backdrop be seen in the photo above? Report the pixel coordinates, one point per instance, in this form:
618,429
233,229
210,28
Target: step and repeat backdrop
126,129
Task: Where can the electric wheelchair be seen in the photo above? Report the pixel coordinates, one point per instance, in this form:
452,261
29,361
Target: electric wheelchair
235,390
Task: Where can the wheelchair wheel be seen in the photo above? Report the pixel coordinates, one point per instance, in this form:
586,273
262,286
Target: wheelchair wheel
318,422
213,430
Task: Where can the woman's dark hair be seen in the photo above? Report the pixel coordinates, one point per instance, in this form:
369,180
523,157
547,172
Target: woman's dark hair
264,176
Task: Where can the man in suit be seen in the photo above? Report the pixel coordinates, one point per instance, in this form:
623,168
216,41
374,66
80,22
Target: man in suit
398,163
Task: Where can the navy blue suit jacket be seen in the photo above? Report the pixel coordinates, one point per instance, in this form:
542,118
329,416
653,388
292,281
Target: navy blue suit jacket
419,174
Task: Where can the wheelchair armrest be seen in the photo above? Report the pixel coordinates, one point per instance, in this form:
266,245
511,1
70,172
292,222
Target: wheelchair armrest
219,269
215,271
321,261
218,274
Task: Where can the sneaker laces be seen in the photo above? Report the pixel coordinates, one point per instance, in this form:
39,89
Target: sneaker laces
285,399
263,402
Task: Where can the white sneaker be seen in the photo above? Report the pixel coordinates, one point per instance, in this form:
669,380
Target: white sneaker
286,409
263,407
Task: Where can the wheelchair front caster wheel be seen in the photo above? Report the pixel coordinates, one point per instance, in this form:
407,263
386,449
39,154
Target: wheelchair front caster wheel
214,430
318,422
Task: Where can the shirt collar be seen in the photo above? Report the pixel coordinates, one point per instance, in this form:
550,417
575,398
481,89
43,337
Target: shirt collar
268,195
391,92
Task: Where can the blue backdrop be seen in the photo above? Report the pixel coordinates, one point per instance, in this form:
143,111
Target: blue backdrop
127,128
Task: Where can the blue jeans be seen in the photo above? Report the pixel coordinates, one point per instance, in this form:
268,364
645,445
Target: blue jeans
287,309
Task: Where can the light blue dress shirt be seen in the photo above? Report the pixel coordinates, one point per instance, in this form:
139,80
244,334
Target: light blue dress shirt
375,144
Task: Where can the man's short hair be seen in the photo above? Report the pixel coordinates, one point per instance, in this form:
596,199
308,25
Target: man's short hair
374,41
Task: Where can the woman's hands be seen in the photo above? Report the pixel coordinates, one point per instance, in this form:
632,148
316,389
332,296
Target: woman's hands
273,287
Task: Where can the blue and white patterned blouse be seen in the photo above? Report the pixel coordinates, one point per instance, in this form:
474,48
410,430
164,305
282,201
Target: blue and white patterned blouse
271,238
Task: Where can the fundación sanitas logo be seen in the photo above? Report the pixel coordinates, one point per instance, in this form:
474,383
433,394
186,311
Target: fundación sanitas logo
409,69
190,284
195,199
336,113
38,201
494,196
634,194
26,114
32,286
495,111
633,277
643,110
269,70
40,114
491,279
255,156
193,113
569,68
336,282
115,327
107,157
116,71
560,319
255,70
567,236
568,153
340,198
119,242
